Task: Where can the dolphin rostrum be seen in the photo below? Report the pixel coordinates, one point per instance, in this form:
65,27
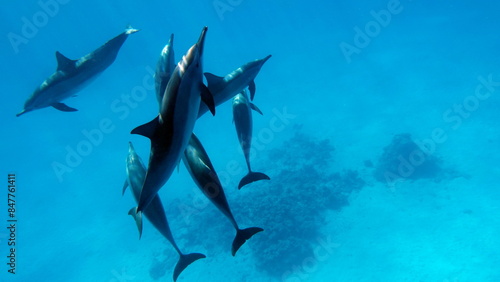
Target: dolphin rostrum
225,88
164,68
136,171
203,173
72,75
243,122
170,131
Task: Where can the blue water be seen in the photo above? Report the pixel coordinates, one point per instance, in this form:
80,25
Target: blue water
416,70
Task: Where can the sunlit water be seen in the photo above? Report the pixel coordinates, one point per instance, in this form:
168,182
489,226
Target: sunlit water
344,79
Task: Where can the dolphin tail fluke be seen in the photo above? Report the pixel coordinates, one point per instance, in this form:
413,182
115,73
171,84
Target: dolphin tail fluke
252,177
242,235
185,261
138,219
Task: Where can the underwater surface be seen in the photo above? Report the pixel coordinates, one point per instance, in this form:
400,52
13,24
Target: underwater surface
379,134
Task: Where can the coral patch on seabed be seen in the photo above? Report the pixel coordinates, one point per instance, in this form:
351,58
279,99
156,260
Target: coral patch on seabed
404,159
292,208
161,261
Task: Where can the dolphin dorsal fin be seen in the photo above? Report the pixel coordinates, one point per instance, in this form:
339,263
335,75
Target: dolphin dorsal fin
213,79
63,63
148,129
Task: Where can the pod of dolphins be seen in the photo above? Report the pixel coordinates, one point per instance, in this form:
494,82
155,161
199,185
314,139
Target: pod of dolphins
72,75
183,98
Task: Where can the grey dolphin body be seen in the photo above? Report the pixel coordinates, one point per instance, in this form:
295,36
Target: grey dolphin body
243,122
170,131
203,173
72,75
164,68
136,172
225,88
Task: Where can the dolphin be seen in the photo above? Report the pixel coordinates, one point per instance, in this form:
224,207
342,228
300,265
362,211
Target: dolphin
73,75
243,122
225,88
203,173
164,68
170,131
136,171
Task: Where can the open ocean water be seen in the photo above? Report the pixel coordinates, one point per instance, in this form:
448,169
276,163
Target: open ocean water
380,133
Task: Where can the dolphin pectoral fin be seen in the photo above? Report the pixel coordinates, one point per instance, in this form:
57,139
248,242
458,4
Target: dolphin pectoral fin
251,87
242,235
253,107
64,64
148,129
125,185
63,107
213,79
252,177
208,99
138,219
185,261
